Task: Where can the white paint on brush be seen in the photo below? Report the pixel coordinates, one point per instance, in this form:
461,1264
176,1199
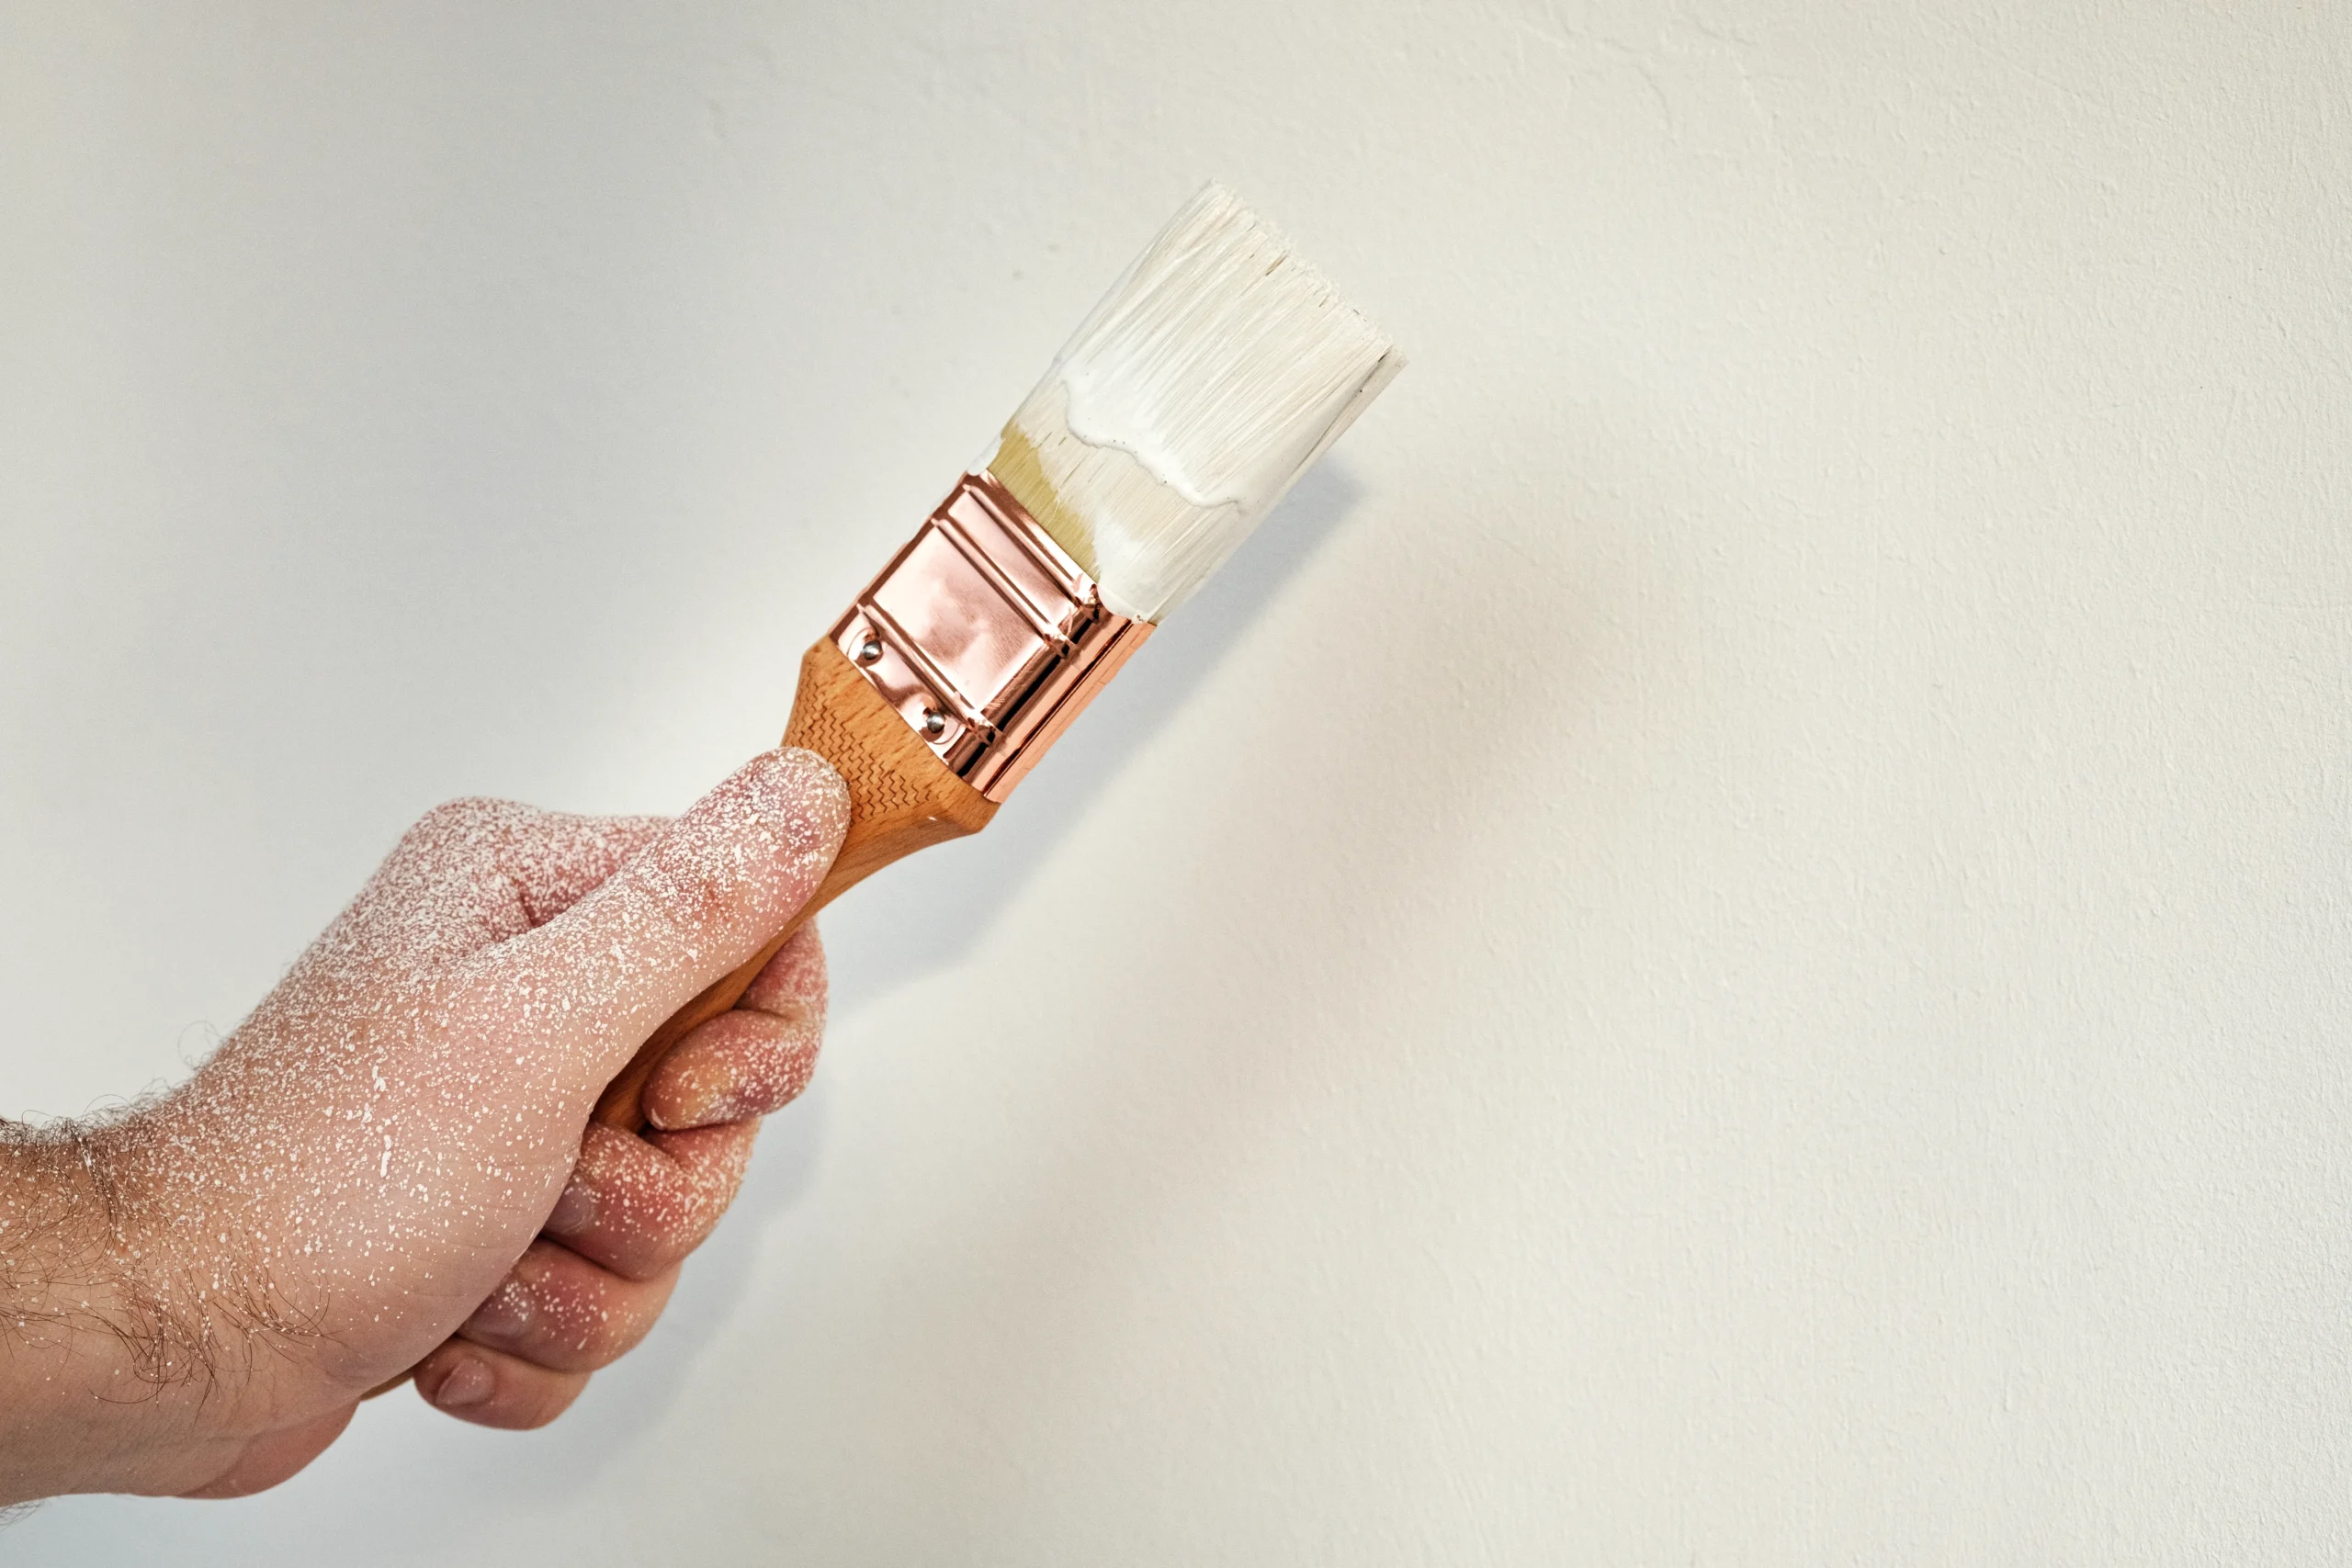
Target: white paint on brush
1208,380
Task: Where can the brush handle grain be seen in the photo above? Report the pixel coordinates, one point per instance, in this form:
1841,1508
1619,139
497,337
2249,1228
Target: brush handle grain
902,798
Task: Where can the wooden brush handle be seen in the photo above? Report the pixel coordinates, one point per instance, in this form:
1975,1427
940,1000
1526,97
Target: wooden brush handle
901,797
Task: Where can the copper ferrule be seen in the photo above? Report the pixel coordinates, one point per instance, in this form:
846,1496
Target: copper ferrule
986,636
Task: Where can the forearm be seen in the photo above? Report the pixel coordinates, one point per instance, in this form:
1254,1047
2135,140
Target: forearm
103,1377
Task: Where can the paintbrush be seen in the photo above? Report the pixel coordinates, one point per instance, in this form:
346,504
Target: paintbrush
1209,378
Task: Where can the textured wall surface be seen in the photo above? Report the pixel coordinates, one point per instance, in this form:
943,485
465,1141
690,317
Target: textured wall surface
1726,943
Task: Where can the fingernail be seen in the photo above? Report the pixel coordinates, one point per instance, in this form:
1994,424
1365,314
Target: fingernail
506,1315
573,1213
469,1382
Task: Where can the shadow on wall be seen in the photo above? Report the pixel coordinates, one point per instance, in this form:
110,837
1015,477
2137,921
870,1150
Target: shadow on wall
934,908
1253,1086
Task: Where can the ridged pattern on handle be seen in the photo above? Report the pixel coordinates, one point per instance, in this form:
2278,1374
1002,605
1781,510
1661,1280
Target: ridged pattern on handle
874,789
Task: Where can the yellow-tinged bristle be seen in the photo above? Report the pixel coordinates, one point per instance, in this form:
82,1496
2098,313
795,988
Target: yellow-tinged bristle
1206,382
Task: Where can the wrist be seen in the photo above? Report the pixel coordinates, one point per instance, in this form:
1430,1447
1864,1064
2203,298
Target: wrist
106,1374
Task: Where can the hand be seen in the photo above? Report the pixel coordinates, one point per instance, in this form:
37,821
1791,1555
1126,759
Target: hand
587,1290
386,1162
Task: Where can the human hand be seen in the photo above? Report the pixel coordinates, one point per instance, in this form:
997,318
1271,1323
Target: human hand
588,1289
385,1166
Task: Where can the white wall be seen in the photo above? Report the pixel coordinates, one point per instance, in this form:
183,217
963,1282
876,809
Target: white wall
1726,943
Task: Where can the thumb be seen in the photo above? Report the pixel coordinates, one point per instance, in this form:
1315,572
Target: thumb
696,902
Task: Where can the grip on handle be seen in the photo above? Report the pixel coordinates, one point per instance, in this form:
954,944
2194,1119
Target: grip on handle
901,797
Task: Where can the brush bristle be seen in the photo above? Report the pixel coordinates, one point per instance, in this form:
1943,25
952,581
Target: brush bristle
1208,380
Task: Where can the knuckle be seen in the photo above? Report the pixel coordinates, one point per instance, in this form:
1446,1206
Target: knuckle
642,1213
467,812
457,831
643,1257
793,983
530,1397
773,1075
704,875
670,910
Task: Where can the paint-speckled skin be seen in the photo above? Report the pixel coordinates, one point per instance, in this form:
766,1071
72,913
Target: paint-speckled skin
363,1166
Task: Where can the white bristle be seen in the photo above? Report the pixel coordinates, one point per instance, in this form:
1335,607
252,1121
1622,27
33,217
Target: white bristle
1211,377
